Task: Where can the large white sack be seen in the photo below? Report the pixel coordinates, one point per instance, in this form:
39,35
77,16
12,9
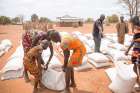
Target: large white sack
76,33
111,72
118,46
89,36
1,53
104,45
13,68
85,65
99,65
54,60
2,47
125,79
19,52
98,57
88,49
54,78
112,37
118,55
7,44
128,40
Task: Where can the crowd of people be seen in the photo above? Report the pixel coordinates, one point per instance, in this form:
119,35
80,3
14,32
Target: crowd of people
34,42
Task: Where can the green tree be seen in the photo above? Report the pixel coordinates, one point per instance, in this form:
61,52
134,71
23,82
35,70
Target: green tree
34,18
89,20
4,20
45,19
16,20
113,19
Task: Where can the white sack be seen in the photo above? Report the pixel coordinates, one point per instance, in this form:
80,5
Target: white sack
13,69
118,46
7,44
98,57
125,79
54,78
111,72
2,47
85,65
99,65
1,53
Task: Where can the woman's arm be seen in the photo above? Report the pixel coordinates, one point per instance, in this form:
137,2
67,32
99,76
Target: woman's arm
52,52
66,57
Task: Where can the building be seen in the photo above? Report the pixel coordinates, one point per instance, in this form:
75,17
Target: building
68,21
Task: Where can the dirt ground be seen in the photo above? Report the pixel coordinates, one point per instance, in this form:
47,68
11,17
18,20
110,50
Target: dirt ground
91,81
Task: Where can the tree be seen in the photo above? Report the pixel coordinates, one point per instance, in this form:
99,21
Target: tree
16,20
34,18
89,20
113,19
45,19
132,6
4,20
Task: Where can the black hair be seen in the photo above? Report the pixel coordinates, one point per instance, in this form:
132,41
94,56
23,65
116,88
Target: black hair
49,33
135,21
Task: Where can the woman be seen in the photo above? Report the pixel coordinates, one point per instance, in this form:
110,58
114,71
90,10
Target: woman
32,38
136,46
69,43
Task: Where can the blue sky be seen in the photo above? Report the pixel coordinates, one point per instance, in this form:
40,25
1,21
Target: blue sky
57,8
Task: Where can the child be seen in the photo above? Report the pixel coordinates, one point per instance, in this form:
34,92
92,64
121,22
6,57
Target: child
32,62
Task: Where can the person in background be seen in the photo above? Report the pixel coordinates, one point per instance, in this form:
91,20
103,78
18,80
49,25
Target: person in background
122,29
32,38
32,62
98,32
68,43
136,46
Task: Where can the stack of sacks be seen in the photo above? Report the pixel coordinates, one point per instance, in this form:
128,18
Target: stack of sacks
54,78
117,55
99,60
104,45
112,37
123,78
14,67
5,45
118,46
85,65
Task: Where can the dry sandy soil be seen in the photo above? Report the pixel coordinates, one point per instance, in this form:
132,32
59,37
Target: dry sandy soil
92,81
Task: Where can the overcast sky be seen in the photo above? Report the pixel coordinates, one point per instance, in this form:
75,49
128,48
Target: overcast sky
57,8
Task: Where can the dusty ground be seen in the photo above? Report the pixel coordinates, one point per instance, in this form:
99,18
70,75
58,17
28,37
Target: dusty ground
93,81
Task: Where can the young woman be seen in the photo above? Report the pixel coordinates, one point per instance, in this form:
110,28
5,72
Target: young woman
136,46
68,43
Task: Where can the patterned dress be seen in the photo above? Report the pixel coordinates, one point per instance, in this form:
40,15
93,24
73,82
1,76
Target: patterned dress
27,38
79,50
30,59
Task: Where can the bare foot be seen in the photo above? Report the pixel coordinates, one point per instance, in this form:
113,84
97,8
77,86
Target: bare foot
66,91
42,86
27,80
35,90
